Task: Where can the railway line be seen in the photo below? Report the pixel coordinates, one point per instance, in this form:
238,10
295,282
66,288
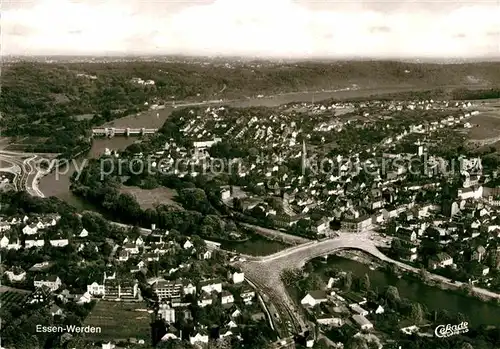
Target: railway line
284,320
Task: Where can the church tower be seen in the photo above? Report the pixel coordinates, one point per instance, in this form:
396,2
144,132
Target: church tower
304,156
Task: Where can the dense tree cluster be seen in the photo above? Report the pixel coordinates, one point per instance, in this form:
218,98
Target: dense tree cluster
464,94
198,195
41,88
14,203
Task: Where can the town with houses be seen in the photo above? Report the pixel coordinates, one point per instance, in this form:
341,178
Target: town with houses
389,170
240,174
118,282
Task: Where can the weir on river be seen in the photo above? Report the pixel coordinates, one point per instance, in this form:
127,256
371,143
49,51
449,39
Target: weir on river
113,131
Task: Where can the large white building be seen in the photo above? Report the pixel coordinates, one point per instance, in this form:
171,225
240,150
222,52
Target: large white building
168,289
313,298
210,286
166,313
34,243
52,282
59,242
362,322
206,144
238,278
200,337
475,192
96,289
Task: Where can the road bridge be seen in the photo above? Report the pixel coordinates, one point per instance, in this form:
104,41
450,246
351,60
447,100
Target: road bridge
265,272
128,131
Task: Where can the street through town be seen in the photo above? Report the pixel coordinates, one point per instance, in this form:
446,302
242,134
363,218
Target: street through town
266,271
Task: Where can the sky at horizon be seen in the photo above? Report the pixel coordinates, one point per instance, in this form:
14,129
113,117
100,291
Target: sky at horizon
264,28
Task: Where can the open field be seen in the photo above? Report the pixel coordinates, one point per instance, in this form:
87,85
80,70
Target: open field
487,125
486,128
119,321
23,143
10,296
149,198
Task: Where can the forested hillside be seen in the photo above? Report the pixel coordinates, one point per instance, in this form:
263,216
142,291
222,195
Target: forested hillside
41,99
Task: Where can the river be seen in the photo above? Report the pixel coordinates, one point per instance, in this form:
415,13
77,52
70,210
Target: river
434,298
256,245
57,182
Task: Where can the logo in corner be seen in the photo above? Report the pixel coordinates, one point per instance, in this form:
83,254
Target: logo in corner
444,331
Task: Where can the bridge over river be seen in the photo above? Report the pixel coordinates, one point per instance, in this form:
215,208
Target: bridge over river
128,131
265,272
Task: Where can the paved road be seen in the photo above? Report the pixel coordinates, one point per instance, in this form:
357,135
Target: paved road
266,271
16,168
27,173
277,234
32,176
264,305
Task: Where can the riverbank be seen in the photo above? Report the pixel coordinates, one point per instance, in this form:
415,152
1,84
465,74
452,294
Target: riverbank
360,257
35,182
435,299
225,241
276,235
374,263
255,245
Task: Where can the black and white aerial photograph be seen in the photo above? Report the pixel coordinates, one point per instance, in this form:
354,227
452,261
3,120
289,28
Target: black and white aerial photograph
249,174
